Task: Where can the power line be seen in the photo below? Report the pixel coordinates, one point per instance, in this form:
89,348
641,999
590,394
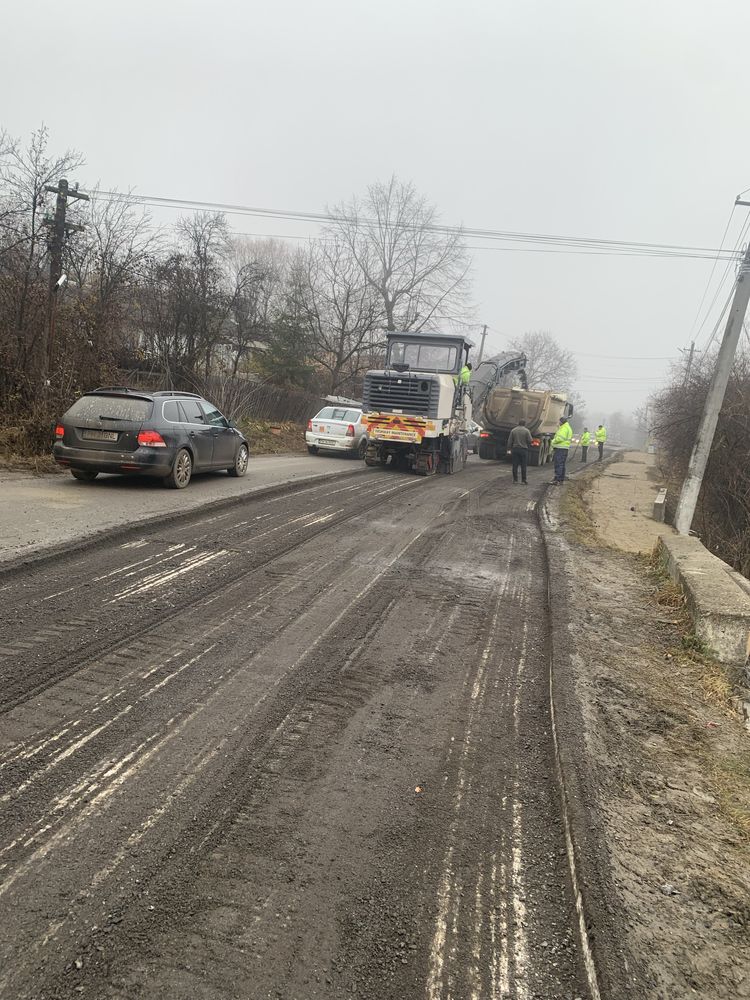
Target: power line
624,357
620,378
713,269
569,252
568,243
725,275
718,321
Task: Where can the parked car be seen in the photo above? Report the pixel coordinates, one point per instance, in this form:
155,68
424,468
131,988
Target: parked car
337,428
473,437
170,435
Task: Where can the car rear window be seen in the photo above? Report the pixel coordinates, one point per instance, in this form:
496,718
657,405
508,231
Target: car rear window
115,407
338,413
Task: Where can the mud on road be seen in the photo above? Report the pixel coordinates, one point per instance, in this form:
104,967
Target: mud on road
300,748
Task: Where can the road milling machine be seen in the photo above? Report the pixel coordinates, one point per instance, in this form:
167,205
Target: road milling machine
416,408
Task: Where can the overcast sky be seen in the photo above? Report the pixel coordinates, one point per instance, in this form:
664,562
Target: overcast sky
614,119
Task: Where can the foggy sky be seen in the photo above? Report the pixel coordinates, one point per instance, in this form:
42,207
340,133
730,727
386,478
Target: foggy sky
620,119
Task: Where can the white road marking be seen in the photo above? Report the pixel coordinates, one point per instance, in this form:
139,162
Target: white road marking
123,570
520,943
64,754
449,890
160,579
499,933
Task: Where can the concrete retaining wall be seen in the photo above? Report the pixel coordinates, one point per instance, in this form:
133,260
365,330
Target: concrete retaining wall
717,596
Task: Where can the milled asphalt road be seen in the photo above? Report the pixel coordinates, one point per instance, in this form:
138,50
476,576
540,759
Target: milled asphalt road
37,512
296,748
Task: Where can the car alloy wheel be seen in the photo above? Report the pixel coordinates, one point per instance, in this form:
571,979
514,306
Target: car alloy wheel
183,469
240,463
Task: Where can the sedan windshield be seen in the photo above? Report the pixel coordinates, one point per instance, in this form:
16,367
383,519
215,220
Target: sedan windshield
424,357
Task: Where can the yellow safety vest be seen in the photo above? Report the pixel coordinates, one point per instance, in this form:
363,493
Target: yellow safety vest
563,437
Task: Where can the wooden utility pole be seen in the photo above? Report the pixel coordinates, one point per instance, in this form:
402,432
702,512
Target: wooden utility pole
481,347
59,229
705,437
689,364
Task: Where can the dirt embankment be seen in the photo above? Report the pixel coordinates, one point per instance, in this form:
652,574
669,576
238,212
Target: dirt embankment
266,438
668,751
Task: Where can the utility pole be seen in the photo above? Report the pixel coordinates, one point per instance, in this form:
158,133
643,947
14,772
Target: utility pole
704,439
59,230
689,364
481,347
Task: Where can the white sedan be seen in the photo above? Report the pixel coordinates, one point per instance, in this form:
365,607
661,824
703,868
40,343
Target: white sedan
337,428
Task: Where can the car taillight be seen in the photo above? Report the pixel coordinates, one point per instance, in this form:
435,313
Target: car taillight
151,439
535,442
484,434
309,425
350,431
59,431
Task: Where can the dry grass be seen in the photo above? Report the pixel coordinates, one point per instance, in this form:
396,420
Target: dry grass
268,438
696,685
35,464
577,515
576,510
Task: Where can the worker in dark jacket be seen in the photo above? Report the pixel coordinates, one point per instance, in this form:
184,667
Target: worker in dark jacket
519,443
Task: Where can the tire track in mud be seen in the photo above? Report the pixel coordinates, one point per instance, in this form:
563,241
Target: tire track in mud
282,848
95,630
34,750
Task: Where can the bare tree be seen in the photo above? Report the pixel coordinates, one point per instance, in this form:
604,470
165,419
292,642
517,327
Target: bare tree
417,268
25,172
723,514
107,263
205,236
549,366
257,271
342,311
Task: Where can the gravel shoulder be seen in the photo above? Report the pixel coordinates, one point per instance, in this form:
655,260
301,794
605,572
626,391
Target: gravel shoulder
658,757
38,513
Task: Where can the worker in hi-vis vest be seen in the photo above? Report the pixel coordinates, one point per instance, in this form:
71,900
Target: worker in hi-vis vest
560,448
601,436
585,442
464,376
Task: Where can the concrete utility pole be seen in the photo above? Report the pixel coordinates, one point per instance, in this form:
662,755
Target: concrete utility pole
59,230
704,439
481,346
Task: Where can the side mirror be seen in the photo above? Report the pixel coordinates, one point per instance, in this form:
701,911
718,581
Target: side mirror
232,424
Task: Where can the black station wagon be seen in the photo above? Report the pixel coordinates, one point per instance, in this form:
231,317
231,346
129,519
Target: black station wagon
169,435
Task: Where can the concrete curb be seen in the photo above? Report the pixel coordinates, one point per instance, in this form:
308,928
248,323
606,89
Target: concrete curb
718,597
9,567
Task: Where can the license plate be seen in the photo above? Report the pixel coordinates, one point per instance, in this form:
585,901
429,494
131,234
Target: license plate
100,435
322,440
